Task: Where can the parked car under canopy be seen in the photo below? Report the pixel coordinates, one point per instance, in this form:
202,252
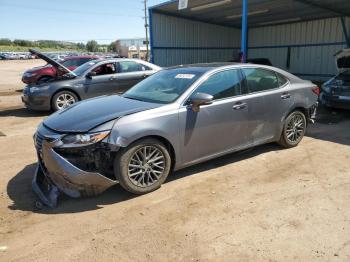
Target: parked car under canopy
336,91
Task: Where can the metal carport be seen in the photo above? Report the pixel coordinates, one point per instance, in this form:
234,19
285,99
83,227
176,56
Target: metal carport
300,36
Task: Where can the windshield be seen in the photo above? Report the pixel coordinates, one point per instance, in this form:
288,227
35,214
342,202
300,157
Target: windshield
164,87
81,69
345,73
344,77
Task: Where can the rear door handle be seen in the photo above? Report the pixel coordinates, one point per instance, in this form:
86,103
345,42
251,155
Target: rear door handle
285,96
239,106
112,78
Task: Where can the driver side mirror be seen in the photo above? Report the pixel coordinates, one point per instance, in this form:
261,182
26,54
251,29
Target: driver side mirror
91,74
200,99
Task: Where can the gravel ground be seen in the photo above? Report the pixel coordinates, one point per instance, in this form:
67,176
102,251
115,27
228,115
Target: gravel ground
11,72
264,204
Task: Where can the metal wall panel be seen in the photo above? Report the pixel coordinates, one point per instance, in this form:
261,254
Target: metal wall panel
277,56
181,41
314,62
170,57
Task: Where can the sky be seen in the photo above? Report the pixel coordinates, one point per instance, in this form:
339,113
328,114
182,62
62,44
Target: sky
73,20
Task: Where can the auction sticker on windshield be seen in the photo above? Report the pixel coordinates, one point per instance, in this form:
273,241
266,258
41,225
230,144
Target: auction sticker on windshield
185,76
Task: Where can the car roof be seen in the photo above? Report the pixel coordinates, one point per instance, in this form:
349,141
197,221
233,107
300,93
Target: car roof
80,56
114,60
209,67
201,67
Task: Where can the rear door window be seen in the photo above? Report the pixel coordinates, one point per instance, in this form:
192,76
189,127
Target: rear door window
131,66
281,79
258,79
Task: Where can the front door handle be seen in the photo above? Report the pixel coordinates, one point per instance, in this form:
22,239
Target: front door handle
285,96
239,106
112,78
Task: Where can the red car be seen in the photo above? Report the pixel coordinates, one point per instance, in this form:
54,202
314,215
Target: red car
48,72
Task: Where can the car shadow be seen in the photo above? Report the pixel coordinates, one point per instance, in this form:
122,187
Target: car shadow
20,192
331,125
22,112
331,116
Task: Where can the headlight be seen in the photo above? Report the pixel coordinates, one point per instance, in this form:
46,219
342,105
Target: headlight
84,139
29,74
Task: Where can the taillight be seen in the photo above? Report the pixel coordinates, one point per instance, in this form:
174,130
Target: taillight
316,90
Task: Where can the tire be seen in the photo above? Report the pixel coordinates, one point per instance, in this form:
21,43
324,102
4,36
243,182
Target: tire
294,129
138,180
44,79
63,99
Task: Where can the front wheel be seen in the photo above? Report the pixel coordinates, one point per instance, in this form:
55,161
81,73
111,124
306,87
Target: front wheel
293,130
63,100
143,166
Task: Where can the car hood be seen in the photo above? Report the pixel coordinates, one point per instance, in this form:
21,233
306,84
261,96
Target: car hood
37,68
52,62
86,115
342,59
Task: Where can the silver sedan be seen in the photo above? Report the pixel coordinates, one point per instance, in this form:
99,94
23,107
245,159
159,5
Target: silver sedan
175,118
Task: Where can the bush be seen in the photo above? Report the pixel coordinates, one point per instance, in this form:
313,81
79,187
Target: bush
5,41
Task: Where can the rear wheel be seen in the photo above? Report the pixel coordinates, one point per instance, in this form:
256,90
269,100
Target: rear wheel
143,166
63,100
294,130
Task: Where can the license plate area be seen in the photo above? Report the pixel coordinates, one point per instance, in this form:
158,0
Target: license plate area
43,182
46,191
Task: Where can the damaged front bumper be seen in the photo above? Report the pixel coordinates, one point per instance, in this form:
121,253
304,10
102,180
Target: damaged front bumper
55,174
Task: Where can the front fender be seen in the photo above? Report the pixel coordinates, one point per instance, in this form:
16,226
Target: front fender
131,128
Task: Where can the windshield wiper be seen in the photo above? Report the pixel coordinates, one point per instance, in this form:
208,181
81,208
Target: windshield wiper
133,98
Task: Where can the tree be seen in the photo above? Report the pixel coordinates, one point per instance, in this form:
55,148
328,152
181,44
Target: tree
112,47
20,42
5,41
92,46
80,46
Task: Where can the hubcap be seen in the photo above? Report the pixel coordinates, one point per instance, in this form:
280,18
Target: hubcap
64,101
295,128
146,166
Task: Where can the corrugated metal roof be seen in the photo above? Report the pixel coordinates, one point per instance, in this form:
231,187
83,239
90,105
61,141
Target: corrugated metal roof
260,12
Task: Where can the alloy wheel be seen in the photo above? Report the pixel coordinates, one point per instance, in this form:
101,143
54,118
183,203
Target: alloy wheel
295,128
146,166
64,101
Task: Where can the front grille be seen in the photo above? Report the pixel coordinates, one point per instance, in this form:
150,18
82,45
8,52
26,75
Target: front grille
39,140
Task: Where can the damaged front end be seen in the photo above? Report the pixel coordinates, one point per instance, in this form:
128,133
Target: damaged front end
72,164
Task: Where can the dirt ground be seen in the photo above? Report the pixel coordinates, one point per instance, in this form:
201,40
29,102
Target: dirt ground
11,72
265,204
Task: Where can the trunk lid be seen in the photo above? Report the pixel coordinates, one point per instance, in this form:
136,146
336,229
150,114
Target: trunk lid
342,59
340,84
